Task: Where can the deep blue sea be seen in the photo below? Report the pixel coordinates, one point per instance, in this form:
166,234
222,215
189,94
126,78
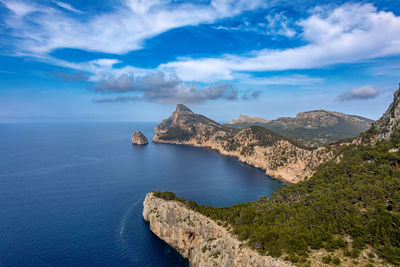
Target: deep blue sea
71,193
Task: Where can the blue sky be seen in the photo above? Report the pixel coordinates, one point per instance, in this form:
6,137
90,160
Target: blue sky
135,60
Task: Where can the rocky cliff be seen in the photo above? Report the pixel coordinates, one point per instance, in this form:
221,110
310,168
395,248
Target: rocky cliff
279,156
199,239
139,139
390,121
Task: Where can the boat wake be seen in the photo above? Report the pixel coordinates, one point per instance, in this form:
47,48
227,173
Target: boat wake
126,216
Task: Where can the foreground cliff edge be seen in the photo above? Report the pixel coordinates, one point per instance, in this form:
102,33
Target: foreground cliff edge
199,239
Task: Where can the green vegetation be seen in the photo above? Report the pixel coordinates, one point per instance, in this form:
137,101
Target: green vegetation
357,198
262,137
169,196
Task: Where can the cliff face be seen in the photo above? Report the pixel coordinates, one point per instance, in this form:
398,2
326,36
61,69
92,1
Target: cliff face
390,121
199,238
256,146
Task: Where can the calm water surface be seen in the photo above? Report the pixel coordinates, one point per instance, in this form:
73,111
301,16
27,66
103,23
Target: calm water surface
71,193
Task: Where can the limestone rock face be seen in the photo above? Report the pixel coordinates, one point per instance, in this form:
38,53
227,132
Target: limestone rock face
255,145
199,239
139,139
390,121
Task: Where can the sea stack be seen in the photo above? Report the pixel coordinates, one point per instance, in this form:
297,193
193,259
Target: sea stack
139,139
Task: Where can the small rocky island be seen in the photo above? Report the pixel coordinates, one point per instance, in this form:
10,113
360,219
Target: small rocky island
139,139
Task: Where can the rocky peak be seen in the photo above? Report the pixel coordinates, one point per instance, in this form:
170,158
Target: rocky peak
182,108
184,124
390,121
139,139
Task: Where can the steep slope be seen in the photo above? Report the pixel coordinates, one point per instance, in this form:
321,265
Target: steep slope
390,121
279,156
312,127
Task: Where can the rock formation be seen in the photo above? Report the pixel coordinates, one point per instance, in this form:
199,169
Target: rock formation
139,139
199,239
277,155
390,121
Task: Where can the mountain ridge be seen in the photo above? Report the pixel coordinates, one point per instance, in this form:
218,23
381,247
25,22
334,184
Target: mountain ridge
314,127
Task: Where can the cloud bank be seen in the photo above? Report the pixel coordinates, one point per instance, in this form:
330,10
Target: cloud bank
161,88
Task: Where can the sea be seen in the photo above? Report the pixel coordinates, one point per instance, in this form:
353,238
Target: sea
71,194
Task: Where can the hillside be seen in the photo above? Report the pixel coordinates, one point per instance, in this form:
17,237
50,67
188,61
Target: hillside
280,157
312,127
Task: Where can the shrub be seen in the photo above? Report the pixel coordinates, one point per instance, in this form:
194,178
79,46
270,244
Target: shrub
336,261
326,259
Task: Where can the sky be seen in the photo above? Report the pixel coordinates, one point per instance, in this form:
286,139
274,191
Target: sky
134,60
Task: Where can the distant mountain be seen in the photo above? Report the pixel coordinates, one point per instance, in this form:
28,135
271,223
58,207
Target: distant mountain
243,119
312,128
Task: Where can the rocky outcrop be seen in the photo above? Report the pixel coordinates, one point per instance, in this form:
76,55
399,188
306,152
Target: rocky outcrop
199,239
277,155
139,139
390,121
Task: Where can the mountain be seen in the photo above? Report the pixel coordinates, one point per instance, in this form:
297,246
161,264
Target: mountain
185,126
280,156
312,128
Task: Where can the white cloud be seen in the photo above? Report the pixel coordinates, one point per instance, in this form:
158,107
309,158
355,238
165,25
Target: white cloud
361,93
273,24
67,7
278,24
349,33
119,31
106,62
19,8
